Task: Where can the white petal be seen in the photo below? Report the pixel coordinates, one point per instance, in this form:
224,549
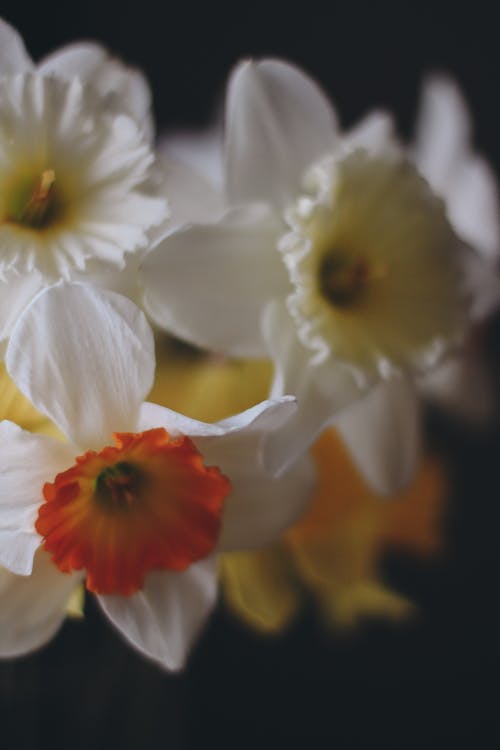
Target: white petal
443,131
27,461
321,391
85,358
200,150
209,284
465,386
13,55
482,284
15,294
375,133
164,619
32,607
124,281
443,153
81,59
191,198
259,418
260,507
383,434
278,122
124,88
473,206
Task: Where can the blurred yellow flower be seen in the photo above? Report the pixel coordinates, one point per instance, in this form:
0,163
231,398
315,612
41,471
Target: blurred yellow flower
206,387
334,552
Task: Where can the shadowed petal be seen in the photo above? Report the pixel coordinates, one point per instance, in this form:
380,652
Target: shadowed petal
164,619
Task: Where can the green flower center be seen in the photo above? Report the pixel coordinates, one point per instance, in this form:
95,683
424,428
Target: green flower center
119,487
342,279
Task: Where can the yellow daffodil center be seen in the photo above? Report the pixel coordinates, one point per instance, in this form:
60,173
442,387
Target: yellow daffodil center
35,202
342,279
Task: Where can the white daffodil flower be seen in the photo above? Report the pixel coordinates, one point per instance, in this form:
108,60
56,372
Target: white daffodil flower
122,88
444,154
73,194
107,195
334,257
140,519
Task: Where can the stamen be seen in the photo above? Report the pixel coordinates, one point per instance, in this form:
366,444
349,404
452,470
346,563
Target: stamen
36,204
342,279
118,487
37,210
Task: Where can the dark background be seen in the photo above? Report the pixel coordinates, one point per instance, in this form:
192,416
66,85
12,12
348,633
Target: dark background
429,684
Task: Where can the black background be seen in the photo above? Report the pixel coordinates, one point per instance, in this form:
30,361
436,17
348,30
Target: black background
430,684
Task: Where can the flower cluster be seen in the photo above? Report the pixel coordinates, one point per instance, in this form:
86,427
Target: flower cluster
358,268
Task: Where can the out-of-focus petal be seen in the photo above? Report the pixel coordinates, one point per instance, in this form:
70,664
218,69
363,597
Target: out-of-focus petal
443,153
261,507
85,358
13,55
442,132
382,433
320,390
465,386
164,619
202,151
191,197
473,206
336,546
278,122
121,87
27,461
481,284
209,284
81,59
375,133
259,587
32,607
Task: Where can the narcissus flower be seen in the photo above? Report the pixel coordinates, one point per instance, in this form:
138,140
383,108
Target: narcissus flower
72,187
70,179
334,258
138,499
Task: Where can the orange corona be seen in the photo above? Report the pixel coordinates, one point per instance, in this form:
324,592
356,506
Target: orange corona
147,503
